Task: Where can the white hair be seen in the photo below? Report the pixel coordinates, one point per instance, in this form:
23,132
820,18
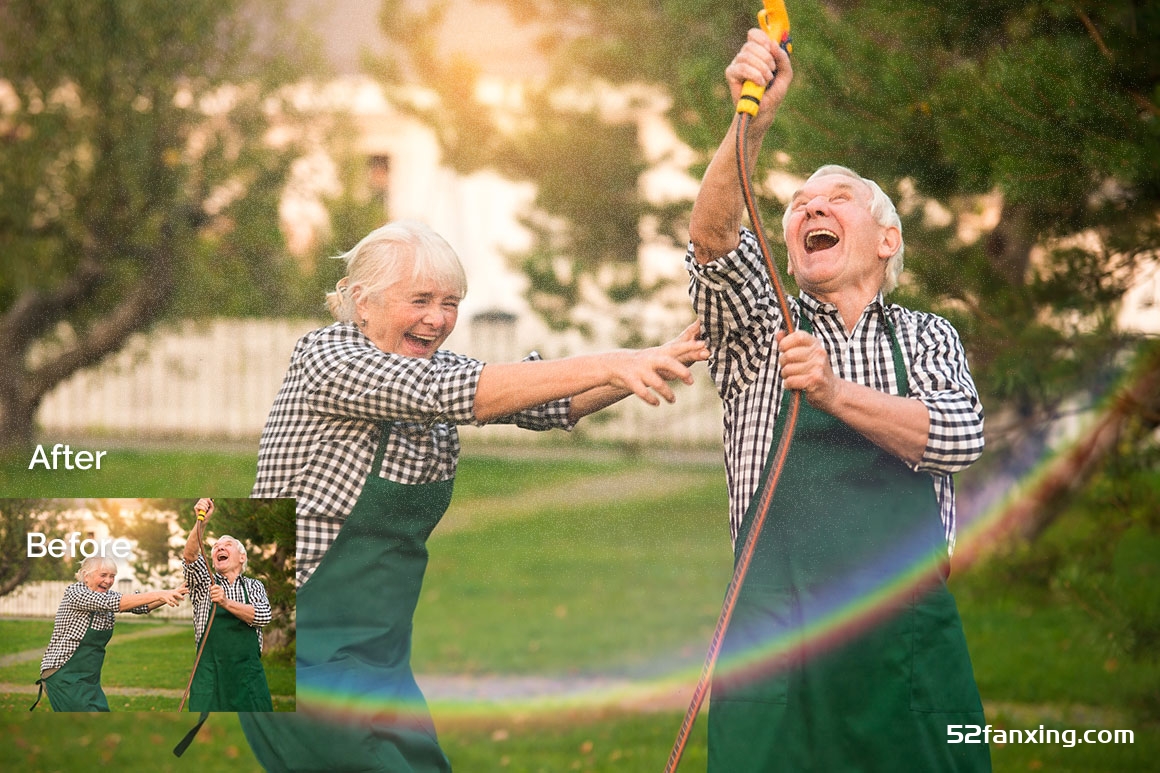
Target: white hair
382,258
881,209
94,564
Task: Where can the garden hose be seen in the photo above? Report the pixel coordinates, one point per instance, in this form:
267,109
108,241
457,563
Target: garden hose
775,21
188,739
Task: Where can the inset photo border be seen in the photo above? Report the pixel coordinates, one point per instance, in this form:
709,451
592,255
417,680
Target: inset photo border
107,604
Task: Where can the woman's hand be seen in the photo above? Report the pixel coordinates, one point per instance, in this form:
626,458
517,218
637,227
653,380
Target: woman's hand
688,347
646,372
175,596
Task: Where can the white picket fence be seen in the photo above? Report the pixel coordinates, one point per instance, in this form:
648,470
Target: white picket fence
41,599
217,379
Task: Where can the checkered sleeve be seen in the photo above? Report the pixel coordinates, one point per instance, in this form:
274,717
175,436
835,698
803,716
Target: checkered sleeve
941,379
260,602
198,580
362,382
80,597
733,300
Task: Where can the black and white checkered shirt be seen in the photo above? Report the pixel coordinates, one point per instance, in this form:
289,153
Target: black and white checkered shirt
72,620
739,316
320,438
197,579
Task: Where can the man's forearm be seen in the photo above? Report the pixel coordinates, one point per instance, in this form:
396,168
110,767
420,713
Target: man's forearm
244,612
720,206
899,425
192,546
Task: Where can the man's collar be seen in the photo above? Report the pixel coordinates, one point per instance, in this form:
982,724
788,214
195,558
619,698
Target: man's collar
816,306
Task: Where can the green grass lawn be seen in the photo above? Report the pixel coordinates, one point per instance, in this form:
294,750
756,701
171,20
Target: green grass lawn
627,588
634,587
136,473
160,662
20,635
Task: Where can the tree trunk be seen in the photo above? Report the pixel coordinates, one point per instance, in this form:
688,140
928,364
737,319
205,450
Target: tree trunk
1009,244
1139,402
17,416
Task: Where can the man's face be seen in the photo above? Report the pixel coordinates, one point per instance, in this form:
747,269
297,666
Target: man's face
226,556
833,242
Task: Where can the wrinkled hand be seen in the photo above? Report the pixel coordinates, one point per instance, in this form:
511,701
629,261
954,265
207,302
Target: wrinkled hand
805,366
204,504
760,60
217,594
646,372
174,597
688,347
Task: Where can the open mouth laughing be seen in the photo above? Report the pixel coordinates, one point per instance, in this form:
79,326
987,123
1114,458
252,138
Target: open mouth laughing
820,239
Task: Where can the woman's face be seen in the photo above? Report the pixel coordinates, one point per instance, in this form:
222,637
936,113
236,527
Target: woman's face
412,317
101,579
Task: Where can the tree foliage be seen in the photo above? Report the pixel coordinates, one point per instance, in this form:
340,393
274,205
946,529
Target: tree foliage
18,517
136,176
1043,115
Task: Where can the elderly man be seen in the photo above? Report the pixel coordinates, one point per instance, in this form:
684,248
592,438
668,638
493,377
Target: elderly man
866,495
229,675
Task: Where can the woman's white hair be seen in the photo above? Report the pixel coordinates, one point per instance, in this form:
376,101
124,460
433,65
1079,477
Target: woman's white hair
881,209
93,564
385,255
238,542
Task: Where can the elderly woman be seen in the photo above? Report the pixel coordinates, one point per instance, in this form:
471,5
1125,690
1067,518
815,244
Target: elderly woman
229,674
71,669
363,434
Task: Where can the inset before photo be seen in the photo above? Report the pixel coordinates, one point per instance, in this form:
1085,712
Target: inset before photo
147,605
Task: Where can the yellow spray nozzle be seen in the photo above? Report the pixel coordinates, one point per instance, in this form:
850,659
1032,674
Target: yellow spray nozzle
774,20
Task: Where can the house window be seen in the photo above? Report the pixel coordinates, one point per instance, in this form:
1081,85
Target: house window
379,174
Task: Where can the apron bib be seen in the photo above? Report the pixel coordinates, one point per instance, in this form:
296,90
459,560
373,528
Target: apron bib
76,686
354,643
804,685
229,675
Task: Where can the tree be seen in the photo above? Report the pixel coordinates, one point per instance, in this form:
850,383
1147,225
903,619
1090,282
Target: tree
135,173
19,517
1043,115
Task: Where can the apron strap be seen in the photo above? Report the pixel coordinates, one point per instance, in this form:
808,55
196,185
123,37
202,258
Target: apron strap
381,448
899,363
39,694
185,742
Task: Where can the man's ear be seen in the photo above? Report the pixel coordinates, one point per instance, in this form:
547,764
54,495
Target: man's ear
889,243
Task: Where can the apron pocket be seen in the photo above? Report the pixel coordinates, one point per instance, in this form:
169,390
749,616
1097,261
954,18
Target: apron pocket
941,676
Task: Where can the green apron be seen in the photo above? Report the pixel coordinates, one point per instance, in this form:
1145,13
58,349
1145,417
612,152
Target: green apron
354,643
847,518
76,686
229,675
